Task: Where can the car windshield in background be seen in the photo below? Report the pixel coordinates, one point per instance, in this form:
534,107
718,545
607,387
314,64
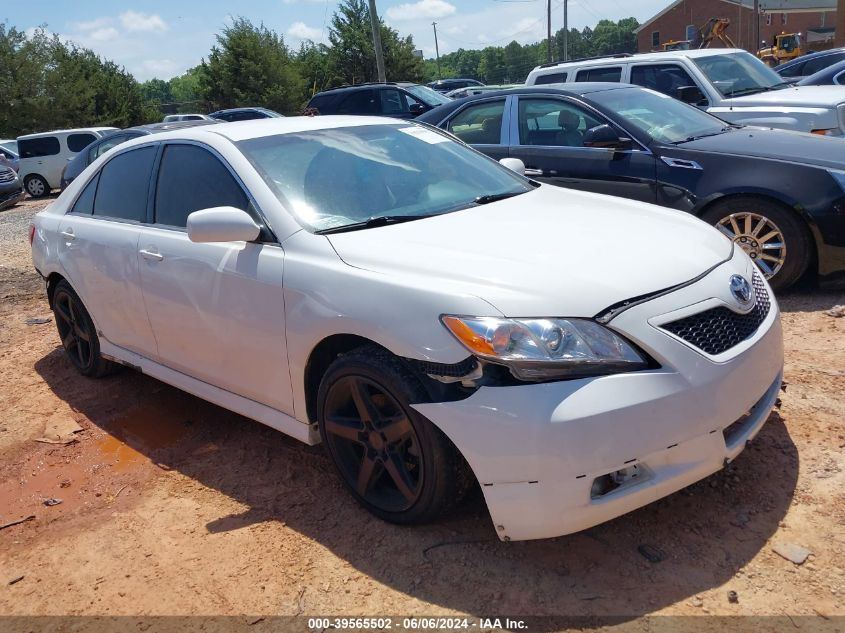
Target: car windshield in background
339,177
661,117
738,74
427,95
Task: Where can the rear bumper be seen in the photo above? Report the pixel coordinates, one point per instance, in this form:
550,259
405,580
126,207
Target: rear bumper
537,449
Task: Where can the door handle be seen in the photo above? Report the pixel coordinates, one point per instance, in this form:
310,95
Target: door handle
68,234
533,172
151,255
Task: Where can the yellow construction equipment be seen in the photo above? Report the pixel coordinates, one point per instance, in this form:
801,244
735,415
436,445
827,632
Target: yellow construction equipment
785,46
715,29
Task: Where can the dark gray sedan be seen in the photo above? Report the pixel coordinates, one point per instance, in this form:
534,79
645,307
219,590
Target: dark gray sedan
11,187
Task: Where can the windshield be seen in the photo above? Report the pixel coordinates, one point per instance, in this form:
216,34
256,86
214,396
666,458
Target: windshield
337,177
427,95
659,116
11,146
737,74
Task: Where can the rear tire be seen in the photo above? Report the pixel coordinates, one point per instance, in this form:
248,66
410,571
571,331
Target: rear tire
773,236
396,463
78,333
36,186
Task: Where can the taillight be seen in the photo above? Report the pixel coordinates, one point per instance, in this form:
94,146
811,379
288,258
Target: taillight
31,233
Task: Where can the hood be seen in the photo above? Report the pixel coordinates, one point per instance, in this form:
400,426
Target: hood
785,145
810,96
549,252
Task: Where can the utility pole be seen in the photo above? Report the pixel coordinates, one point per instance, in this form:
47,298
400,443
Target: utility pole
566,30
549,28
436,49
374,21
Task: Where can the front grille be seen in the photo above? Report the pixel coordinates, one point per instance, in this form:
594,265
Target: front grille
7,175
719,329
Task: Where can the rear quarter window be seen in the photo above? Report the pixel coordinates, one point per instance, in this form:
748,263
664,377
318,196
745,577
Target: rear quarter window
78,142
551,78
611,73
37,147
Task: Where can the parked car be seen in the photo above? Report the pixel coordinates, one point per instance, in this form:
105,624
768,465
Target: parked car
810,64
244,114
43,156
730,83
99,147
833,75
776,194
11,188
460,93
174,118
9,158
397,100
446,85
9,144
432,317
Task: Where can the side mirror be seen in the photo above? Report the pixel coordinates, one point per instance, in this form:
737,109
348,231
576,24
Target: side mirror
605,137
690,94
417,108
222,224
514,164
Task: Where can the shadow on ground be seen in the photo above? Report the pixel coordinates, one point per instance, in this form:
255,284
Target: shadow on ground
702,535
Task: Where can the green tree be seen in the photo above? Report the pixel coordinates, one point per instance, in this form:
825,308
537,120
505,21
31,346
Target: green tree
251,66
185,91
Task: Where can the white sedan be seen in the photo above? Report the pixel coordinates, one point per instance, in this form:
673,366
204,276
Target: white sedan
432,317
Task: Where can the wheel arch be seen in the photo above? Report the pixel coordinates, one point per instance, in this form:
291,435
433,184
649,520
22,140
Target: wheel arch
53,280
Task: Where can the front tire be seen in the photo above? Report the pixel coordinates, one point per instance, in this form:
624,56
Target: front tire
36,186
396,463
77,332
772,235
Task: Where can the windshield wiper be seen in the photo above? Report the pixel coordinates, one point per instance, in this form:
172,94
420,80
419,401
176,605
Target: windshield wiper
381,220
495,197
698,136
758,89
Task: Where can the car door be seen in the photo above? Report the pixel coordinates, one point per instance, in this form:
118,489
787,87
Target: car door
482,125
217,309
547,134
98,249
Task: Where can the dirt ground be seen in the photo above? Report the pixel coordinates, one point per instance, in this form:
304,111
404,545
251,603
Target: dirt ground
170,505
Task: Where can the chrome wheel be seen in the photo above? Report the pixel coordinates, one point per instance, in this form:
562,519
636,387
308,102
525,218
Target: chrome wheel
759,237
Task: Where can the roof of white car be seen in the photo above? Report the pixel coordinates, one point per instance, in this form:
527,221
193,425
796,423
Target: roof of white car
71,131
256,128
645,57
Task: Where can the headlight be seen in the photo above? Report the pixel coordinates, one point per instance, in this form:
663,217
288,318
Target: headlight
838,176
538,349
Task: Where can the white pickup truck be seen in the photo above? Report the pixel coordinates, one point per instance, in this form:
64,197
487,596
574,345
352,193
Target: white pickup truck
729,83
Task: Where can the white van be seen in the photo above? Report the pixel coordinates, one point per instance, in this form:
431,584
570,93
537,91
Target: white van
43,156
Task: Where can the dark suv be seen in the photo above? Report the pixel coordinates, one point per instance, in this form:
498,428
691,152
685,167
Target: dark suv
447,85
399,100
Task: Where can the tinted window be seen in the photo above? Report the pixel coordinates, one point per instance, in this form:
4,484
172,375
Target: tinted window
124,181
553,122
359,102
190,179
85,202
105,145
610,73
793,71
41,146
78,142
665,78
820,63
392,102
479,124
551,78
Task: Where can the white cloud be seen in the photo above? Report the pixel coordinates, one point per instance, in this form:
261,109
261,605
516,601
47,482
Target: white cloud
104,34
305,1
135,21
423,9
164,68
302,31
92,25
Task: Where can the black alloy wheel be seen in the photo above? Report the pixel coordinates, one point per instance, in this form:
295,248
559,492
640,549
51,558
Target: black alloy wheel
77,332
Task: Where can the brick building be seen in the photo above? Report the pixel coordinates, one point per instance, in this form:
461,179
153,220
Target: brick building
815,19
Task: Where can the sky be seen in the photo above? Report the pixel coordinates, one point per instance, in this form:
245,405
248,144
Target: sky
157,38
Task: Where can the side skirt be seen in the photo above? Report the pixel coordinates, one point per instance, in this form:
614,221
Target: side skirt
273,418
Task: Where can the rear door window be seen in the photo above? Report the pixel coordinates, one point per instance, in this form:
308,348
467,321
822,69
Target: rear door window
553,123
78,142
359,102
665,78
551,78
479,124
190,179
608,73
124,185
38,147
